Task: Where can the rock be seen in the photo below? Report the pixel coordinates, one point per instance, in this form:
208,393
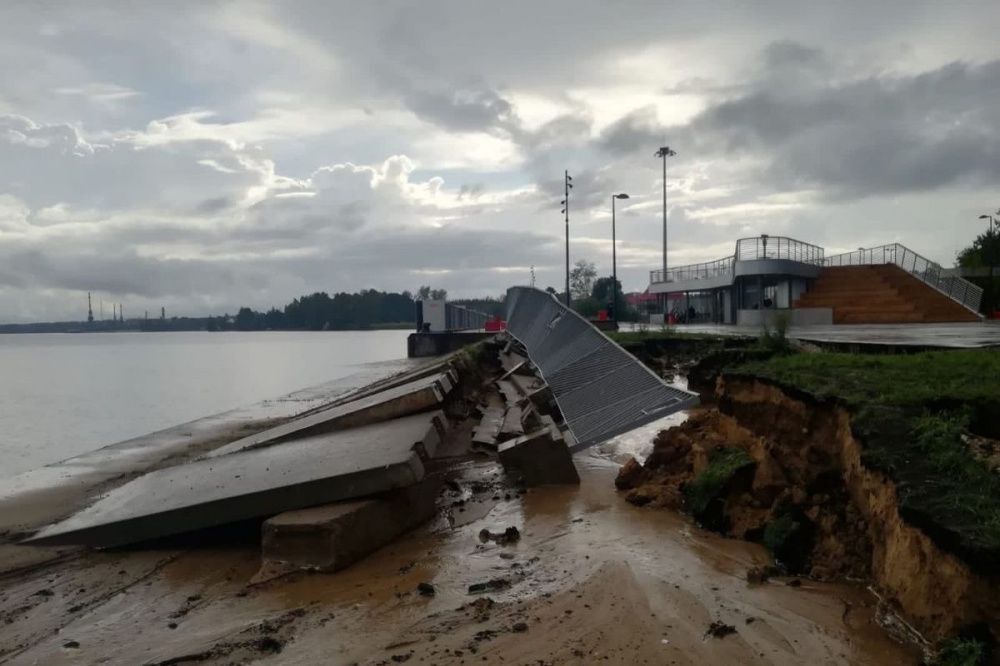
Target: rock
493,585
795,582
630,475
510,535
426,590
519,627
71,645
638,498
759,575
720,630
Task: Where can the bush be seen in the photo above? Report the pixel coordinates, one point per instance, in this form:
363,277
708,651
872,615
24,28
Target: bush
723,465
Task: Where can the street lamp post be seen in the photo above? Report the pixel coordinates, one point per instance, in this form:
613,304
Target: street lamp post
614,259
567,186
989,228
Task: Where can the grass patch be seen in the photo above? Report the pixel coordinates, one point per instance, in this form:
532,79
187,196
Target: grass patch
911,413
906,380
961,652
723,464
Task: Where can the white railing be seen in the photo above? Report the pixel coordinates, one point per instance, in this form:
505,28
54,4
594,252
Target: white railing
702,271
777,247
925,270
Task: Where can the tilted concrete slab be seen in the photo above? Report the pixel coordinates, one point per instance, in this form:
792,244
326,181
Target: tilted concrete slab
415,396
334,536
542,457
252,484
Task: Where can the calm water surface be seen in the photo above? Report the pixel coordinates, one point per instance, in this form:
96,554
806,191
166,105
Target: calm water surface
65,394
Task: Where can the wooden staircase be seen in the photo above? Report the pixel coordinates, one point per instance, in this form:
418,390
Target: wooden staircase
880,294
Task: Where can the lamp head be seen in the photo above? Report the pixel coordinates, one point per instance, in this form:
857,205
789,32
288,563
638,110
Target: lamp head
621,196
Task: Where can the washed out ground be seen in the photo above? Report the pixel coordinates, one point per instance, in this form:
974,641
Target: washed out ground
591,578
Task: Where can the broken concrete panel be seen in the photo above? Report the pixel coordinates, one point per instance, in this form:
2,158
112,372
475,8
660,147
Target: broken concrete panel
509,391
251,484
334,536
436,432
541,457
513,425
410,398
488,430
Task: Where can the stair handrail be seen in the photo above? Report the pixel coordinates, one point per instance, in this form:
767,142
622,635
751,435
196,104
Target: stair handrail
929,272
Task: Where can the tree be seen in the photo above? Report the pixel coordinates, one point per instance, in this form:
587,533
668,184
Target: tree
425,293
581,278
984,253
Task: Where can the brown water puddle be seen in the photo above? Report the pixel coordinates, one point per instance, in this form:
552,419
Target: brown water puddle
592,578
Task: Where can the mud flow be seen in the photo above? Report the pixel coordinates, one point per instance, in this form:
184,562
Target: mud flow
590,578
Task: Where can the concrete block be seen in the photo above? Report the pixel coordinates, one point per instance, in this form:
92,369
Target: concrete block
334,536
251,484
541,457
417,396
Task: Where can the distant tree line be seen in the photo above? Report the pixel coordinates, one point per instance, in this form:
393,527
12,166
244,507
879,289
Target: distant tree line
366,309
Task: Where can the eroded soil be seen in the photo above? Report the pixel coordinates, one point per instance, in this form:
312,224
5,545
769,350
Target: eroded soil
591,578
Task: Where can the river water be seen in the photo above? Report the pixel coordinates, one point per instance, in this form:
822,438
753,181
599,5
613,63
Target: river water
65,394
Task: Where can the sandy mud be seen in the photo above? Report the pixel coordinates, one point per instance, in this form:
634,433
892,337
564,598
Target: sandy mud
590,579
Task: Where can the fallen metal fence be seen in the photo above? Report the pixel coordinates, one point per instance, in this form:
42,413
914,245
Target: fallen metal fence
601,389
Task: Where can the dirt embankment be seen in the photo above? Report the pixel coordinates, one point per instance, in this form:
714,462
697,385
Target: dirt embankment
786,469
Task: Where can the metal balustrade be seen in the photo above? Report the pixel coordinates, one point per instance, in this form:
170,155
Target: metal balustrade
747,249
777,247
782,247
925,270
701,271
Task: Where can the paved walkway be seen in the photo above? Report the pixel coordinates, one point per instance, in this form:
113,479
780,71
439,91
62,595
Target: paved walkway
970,335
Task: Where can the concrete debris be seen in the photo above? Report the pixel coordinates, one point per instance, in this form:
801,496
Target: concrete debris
257,483
541,457
334,536
416,396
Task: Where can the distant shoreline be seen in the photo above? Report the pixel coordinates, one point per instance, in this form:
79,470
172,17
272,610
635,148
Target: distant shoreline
172,326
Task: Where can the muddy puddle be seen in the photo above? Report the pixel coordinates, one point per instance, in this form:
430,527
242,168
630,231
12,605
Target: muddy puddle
592,578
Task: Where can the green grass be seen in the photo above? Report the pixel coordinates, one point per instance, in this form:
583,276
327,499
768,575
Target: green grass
723,464
911,413
961,376
961,652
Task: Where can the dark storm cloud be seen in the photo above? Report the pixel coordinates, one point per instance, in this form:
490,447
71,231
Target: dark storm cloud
464,111
876,135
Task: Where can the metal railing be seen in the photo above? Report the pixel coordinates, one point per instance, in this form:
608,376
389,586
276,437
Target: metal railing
702,271
777,247
747,249
925,270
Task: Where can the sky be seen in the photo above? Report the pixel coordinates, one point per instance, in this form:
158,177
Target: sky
205,155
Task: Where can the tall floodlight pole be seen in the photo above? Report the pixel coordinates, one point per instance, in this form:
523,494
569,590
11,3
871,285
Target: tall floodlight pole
664,152
567,186
989,227
614,259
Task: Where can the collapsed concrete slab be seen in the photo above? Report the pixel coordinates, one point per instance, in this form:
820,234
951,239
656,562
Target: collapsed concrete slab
541,457
253,484
334,536
415,396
